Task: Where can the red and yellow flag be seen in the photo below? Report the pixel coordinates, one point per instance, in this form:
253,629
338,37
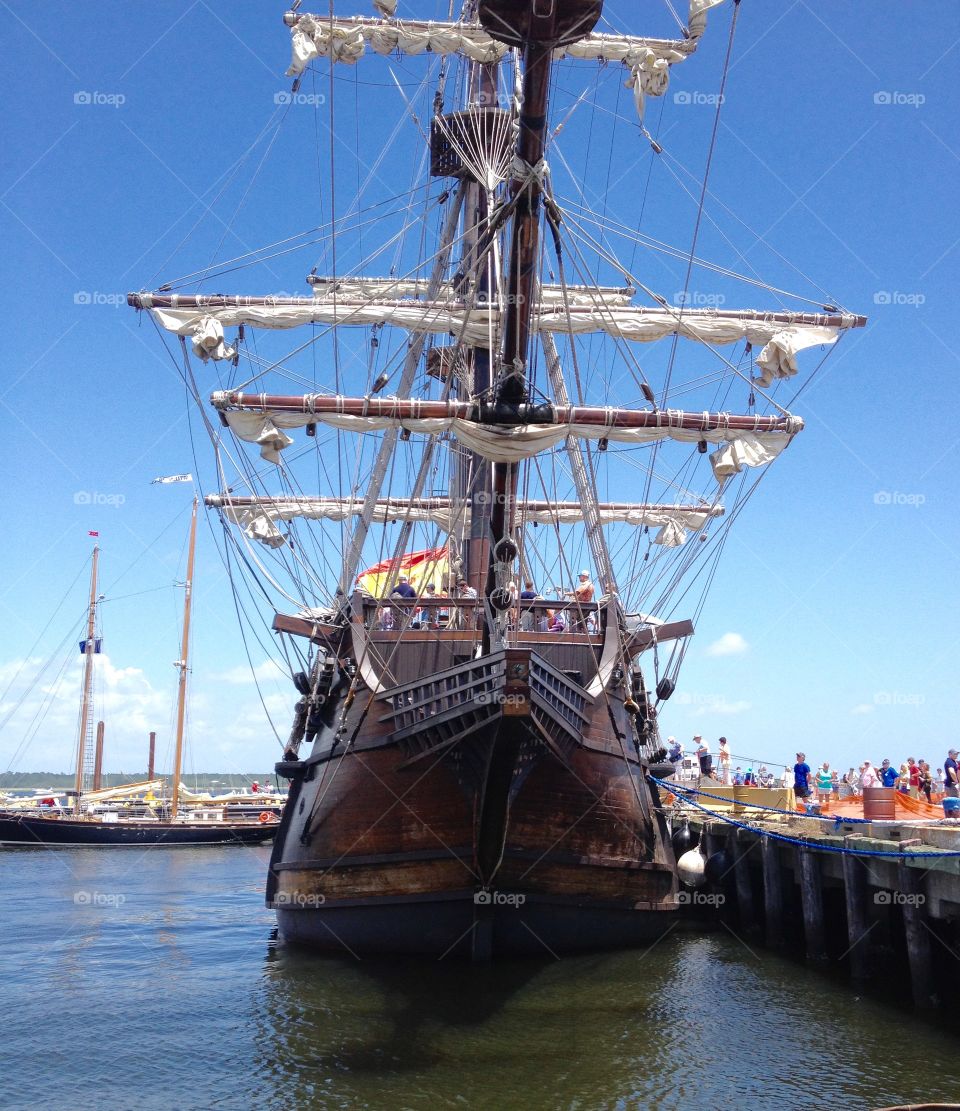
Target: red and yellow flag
429,566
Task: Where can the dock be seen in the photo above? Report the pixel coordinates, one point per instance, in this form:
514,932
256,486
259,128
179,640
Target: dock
876,900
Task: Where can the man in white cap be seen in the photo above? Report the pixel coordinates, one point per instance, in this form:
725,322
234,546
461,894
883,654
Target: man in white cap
675,751
703,755
582,594
583,591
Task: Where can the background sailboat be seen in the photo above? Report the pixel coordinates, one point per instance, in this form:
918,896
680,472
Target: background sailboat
99,817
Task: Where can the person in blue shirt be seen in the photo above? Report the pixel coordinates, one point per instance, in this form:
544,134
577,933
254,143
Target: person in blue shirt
738,778
403,589
888,775
801,777
951,775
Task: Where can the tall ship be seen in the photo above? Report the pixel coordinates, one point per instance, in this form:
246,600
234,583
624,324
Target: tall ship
485,516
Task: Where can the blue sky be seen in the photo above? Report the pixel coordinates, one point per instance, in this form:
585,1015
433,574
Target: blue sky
833,622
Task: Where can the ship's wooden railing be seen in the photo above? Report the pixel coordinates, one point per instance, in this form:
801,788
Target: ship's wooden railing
538,615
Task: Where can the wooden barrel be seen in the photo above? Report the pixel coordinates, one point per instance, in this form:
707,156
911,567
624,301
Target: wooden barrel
880,804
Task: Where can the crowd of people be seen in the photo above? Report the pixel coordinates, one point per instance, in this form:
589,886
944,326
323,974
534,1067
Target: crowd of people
527,617
914,777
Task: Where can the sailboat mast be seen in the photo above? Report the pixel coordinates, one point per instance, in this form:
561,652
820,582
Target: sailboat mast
89,650
182,663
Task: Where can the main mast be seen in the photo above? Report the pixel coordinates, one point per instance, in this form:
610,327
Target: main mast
537,28
182,663
90,646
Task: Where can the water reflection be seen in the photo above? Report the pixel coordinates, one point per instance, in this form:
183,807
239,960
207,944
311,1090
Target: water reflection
697,1021
181,995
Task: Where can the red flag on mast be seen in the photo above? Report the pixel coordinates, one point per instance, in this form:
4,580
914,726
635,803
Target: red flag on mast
93,534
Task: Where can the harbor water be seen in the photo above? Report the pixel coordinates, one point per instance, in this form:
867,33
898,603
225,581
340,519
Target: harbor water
154,979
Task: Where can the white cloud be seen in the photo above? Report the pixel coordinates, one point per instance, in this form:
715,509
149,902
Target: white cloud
720,705
226,727
243,674
862,708
730,644
41,733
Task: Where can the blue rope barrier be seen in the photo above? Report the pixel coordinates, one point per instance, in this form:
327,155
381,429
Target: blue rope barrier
900,853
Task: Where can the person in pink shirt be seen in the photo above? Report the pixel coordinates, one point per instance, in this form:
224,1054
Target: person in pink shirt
869,777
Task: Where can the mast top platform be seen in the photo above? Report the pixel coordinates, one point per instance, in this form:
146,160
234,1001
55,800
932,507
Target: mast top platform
553,22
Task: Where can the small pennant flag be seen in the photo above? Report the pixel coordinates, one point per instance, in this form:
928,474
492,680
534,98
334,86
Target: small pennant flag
93,534
172,478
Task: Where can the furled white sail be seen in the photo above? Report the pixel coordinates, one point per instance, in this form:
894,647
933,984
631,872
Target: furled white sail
479,326
378,289
259,519
346,40
510,444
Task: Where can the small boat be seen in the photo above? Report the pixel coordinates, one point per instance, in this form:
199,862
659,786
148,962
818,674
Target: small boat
131,815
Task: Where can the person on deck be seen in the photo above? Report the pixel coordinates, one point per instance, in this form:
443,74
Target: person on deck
528,594
926,780
738,777
824,783
835,784
724,758
582,594
675,751
888,774
869,777
951,775
749,779
403,589
426,616
801,777
703,755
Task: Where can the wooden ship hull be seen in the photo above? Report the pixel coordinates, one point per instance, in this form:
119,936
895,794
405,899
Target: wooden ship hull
491,807
22,830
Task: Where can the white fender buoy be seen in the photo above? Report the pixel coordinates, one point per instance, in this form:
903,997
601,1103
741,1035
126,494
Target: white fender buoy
690,868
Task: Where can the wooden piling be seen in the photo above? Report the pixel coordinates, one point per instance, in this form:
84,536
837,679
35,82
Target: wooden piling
741,875
772,892
812,898
151,754
855,896
918,936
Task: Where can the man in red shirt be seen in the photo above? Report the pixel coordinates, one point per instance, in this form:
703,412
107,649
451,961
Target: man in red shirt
913,771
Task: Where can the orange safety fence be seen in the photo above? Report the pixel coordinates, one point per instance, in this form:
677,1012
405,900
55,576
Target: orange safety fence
906,808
